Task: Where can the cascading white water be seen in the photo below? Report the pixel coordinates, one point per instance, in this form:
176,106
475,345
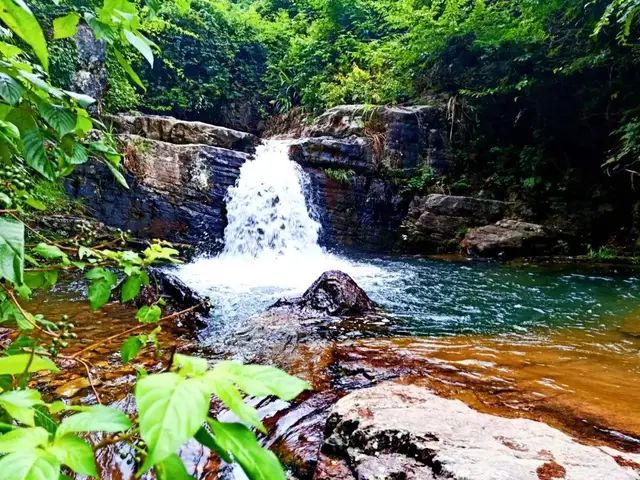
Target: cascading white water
271,242
266,210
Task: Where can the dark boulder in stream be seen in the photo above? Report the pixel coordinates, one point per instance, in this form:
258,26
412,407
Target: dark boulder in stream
334,293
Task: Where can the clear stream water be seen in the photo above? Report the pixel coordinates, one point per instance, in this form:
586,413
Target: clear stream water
272,251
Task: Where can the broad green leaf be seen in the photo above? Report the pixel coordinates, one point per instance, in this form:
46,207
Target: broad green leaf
34,465
96,418
227,392
131,287
23,439
11,250
83,100
36,155
141,44
262,381
17,364
171,409
129,349
35,203
172,468
126,66
19,404
49,252
10,90
99,293
190,366
65,27
149,314
256,462
75,453
62,120
205,438
18,17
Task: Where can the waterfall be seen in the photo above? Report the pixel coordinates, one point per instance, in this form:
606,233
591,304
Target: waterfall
266,210
271,241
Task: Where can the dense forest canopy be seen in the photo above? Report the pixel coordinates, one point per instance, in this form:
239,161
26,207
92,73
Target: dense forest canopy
535,88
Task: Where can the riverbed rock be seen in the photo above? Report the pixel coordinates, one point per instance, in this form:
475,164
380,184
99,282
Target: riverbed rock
396,431
508,238
334,293
181,132
353,154
176,191
436,222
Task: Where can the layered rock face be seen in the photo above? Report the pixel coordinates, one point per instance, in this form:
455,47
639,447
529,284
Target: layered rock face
352,152
401,431
176,186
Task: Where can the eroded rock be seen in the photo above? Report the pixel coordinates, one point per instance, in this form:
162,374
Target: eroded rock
334,293
176,192
181,132
508,238
402,431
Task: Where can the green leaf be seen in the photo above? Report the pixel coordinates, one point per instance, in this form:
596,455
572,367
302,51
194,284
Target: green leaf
99,293
11,250
262,381
10,90
36,155
172,468
141,44
149,314
205,438
83,100
75,453
17,364
118,175
65,27
226,391
34,465
129,349
18,17
49,252
96,418
190,366
62,120
126,66
171,409
19,404
131,287
23,439
256,462
35,203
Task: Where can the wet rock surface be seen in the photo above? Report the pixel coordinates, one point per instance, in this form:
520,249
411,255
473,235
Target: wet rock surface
353,152
334,293
436,222
508,238
176,191
402,431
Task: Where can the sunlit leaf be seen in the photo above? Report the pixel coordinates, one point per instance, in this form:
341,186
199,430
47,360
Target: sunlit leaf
67,26
11,250
171,409
17,364
75,453
19,18
96,418
242,445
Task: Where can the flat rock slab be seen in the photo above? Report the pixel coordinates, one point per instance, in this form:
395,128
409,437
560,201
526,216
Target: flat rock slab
402,431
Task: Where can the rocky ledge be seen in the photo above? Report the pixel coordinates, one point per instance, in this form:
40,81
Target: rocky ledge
176,188
395,431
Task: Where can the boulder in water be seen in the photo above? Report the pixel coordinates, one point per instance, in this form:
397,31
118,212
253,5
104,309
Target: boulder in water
508,238
404,431
335,293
